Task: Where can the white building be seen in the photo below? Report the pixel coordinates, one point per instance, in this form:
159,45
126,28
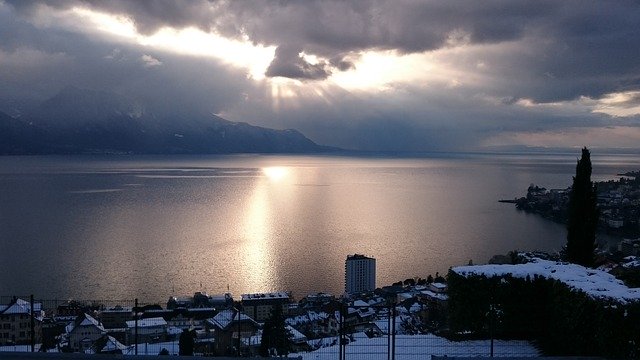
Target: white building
359,274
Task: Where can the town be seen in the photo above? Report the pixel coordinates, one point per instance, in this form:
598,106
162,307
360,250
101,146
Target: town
222,325
454,316
618,201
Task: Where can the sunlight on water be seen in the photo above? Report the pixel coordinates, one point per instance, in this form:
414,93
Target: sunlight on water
256,236
275,173
262,223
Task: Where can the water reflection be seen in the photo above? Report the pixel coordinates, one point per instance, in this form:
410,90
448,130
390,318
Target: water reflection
256,234
258,229
275,173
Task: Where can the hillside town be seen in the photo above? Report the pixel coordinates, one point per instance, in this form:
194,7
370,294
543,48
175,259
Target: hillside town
414,311
618,201
222,325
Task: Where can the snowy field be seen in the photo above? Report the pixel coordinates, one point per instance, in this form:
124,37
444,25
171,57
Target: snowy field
407,347
421,347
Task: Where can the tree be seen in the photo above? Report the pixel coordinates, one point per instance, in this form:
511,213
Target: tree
186,343
275,335
583,215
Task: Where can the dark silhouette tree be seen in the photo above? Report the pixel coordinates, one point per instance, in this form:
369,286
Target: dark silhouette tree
186,343
583,215
275,335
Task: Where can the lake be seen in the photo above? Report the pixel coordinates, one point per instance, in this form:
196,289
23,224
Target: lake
121,227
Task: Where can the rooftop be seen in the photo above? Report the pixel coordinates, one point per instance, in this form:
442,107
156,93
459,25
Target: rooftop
358,257
272,295
150,322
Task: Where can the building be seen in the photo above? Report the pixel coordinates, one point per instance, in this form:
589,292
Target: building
359,274
232,328
15,322
259,306
84,332
116,317
150,330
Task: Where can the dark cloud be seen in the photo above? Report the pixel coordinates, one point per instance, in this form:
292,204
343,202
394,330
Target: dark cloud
540,50
289,63
587,47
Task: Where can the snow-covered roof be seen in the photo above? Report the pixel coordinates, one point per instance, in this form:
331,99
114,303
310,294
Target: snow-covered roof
439,285
263,296
20,307
226,317
361,312
416,307
113,344
295,335
360,303
595,283
438,296
310,316
87,320
173,330
150,322
118,309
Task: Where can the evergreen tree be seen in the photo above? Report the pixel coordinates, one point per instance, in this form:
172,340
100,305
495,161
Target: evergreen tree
186,343
275,335
583,215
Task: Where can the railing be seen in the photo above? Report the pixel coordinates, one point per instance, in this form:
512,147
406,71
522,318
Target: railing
391,332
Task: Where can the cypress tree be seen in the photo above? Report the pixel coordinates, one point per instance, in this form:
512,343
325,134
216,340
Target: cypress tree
275,335
583,215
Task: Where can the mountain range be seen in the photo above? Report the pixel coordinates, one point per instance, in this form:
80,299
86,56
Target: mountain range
82,121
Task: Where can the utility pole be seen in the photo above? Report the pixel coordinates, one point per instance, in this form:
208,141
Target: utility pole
33,324
393,334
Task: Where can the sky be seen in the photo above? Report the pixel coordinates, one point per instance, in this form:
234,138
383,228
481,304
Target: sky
396,75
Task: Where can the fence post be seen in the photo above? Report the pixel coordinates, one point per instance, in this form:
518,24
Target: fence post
32,332
239,331
135,317
393,334
389,333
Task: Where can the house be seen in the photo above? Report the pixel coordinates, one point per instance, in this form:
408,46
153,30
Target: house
149,330
84,332
315,324
298,340
259,306
15,322
231,327
109,345
116,317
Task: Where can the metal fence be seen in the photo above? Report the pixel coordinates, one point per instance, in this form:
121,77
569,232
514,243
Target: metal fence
343,333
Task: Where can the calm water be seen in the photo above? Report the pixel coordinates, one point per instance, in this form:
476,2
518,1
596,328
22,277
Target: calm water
122,227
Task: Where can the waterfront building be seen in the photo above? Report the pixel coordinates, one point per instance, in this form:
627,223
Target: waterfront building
359,274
